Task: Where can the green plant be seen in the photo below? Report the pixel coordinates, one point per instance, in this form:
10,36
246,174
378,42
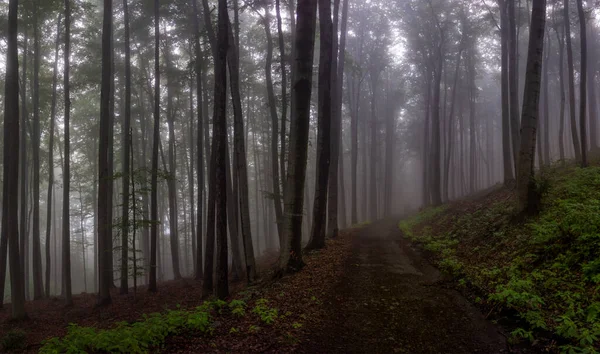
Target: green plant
267,314
296,325
137,337
13,340
238,308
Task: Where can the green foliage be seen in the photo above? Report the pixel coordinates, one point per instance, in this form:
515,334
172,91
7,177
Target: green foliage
546,268
238,308
13,340
137,337
267,314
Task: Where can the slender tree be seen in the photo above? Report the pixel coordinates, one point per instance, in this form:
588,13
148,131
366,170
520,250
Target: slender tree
66,226
156,142
51,158
10,199
531,96
324,141
220,136
571,73
583,84
126,168
304,42
104,177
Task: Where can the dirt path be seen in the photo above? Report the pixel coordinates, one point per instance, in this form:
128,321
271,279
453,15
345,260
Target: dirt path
388,302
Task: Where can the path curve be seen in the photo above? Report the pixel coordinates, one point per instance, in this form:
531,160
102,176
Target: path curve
389,301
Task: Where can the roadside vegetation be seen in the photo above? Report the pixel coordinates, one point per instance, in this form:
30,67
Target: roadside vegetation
537,275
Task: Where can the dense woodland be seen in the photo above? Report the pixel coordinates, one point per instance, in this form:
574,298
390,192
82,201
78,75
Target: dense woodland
154,140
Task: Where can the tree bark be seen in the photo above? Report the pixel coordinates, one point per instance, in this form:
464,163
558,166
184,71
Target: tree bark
507,158
513,79
155,143
575,137
304,42
241,164
38,291
325,139
125,161
200,156
531,105
220,136
10,200
51,159
284,102
105,175
274,127
583,84
563,99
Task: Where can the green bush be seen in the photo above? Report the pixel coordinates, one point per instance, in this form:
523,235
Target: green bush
137,337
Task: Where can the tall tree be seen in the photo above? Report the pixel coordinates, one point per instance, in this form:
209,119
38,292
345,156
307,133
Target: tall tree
304,44
51,158
200,156
38,291
10,197
531,96
572,110
155,144
583,84
274,126
126,169
241,165
66,221
105,175
513,78
324,141
507,158
220,136
561,83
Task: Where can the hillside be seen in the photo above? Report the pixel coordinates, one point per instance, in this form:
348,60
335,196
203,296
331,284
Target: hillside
538,276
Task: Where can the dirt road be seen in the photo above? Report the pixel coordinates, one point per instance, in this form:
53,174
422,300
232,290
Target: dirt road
389,301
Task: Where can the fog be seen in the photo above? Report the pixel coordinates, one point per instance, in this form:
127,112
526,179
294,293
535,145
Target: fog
413,103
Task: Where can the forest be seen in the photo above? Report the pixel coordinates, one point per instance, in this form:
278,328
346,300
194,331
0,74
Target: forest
293,175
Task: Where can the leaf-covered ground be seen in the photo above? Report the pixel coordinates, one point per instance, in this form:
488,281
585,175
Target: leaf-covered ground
297,300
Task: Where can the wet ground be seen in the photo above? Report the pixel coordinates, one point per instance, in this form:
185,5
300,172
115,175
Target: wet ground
391,300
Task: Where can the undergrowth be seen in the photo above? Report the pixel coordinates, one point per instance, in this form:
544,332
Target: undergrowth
546,269
144,335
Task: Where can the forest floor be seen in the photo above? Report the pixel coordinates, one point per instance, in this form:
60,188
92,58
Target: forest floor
367,292
391,300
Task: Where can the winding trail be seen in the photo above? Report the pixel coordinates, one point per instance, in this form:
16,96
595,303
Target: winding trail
390,300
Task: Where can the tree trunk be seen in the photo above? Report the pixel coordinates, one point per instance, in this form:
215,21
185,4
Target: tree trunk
337,77
66,241
105,175
325,139
507,158
125,161
546,145
436,197
561,71
155,142
571,73
51,159
38,291
304,42
172,180
274,127
220,136
450,126
472,129
284,102
10,200
583,84
240,161
373,215
531,106
513,79
199,273
23,223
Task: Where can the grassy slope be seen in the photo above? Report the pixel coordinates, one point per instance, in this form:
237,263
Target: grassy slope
542,272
